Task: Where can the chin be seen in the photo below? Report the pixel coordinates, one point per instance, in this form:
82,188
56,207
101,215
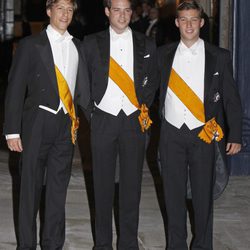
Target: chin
122,28
64,27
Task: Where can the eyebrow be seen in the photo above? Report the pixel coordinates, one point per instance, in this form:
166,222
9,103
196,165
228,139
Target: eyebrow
189,17
119,8
62,5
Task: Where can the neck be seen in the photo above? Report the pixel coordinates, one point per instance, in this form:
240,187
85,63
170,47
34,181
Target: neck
118,31
58,30
189,43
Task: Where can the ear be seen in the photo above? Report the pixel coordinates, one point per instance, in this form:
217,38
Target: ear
202,22
48,11
107,12
177,22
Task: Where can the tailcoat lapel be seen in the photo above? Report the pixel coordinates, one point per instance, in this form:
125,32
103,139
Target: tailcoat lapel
45,52
210,64
138,49
103,42
82,83
166,68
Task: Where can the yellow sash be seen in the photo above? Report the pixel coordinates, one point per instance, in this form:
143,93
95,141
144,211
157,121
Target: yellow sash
211,130
125,83
67,100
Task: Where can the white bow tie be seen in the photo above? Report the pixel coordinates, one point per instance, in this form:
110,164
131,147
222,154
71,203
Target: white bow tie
64,38
124,35
184,50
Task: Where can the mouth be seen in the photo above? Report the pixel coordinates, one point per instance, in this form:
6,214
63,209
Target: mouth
122,21
189,31
64,20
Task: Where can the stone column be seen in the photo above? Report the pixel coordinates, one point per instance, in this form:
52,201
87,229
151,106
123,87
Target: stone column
18,7
226,22
7,19
206,5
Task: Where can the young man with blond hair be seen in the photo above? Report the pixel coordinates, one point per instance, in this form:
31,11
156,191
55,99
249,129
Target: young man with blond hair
46,80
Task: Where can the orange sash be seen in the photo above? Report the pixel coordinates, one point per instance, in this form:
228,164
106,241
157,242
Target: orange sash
211,130
67,100
126,84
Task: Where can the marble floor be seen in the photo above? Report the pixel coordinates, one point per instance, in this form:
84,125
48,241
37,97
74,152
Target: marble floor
231,213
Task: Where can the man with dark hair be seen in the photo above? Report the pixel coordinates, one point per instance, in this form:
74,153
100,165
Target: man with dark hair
201,122
47,79
204,32
190,5
121,69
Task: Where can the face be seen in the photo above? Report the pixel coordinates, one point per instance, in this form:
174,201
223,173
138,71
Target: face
145,7
153,14
119,15
61,15
189,23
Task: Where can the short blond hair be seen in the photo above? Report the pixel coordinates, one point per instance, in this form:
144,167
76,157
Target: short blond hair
50,3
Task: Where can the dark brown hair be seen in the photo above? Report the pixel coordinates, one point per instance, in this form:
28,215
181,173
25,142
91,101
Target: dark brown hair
108,3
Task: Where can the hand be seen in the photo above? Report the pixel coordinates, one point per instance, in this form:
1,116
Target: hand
233,148
15,144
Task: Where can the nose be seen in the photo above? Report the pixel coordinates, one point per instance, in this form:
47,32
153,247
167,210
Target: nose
122,13
189,23
65,12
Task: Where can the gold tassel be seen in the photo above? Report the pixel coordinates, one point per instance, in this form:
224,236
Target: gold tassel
211,131
74,127
144,118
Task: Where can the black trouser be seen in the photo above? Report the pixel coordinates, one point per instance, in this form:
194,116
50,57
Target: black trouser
49,150
112,135
181,149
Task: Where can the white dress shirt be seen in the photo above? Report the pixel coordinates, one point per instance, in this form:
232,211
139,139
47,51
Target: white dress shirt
121,50
64,54
66,58
189,63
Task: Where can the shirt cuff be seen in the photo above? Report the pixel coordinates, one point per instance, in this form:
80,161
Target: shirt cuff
12,136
